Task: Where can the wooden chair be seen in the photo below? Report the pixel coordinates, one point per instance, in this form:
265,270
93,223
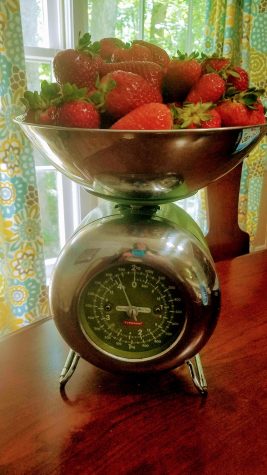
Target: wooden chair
226,240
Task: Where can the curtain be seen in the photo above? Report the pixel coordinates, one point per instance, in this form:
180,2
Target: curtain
237,29
23,296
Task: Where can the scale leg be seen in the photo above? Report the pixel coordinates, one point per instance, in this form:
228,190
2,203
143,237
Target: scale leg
197,374
68,368
195,369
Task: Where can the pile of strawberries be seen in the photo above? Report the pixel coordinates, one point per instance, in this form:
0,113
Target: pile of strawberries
137,86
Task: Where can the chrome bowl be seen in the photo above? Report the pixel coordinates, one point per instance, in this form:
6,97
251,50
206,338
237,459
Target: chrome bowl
142,166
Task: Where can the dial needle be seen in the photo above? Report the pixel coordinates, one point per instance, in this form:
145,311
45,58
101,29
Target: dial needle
124,308
131,311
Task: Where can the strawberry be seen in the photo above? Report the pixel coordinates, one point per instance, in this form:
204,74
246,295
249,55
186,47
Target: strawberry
181,74
152,116
209,88
233,113
48,116
78,66
150,71
192,116
75,109
123,91
108,45
257,115
215,64
213,122
159,55
41,108
78,113
235,76
45,117
238,78
131,52
242,109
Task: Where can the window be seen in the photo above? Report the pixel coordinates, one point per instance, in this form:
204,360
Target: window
46,30
55,24
173,24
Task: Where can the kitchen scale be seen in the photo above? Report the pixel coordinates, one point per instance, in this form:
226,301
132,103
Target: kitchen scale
135,289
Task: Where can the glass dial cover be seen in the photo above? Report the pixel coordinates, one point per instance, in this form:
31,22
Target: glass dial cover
132,311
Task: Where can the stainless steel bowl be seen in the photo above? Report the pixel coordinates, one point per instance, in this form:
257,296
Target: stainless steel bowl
142,166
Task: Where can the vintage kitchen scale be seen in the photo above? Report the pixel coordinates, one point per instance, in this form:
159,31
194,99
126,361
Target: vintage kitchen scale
135,288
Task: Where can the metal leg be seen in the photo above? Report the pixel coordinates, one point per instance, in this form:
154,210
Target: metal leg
69,368
195,369
197,374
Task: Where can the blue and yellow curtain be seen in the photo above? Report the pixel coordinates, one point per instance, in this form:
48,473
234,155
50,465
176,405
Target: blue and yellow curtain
237,29
23,296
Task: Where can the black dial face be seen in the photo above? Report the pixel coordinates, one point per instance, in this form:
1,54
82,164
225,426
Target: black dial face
132,311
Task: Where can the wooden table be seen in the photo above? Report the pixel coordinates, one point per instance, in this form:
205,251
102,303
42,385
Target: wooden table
158,425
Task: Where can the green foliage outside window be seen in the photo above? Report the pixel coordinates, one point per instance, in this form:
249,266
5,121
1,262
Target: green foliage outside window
164,22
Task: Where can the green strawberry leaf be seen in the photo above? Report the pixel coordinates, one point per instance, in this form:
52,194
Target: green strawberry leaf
49,91
33,100
232,72
85,45
95,48
185,56
70,92
191,114
107,86
84,41
249,97
98,97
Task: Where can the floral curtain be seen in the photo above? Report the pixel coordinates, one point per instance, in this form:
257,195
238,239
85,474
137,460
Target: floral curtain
23,297
236,29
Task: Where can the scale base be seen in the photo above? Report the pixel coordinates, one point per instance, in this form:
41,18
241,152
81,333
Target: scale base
194,365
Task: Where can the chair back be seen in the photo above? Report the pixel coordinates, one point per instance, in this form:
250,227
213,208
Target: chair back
225,238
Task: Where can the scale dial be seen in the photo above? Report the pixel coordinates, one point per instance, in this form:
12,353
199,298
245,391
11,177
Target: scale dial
132,312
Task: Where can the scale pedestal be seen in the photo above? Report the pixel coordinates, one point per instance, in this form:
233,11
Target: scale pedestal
135,288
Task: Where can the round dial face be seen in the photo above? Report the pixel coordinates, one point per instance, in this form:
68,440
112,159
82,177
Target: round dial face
132,311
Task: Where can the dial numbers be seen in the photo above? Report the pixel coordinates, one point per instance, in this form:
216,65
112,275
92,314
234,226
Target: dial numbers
131,311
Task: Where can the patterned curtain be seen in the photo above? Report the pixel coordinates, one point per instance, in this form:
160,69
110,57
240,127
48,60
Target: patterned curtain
237,29
23,297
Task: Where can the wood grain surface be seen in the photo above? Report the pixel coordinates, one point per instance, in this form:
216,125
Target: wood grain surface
106,424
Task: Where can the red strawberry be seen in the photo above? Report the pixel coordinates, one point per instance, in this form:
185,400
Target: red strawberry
131,52
107,47
215,64
238,78
213,122
129,91
257,115
152,72
45,117
78,113
193,116
209,88
181,74
159,55
41,108
78,66
48,116
244,108
152,116
233,113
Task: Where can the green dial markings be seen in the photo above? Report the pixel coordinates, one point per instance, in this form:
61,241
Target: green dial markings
132,311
